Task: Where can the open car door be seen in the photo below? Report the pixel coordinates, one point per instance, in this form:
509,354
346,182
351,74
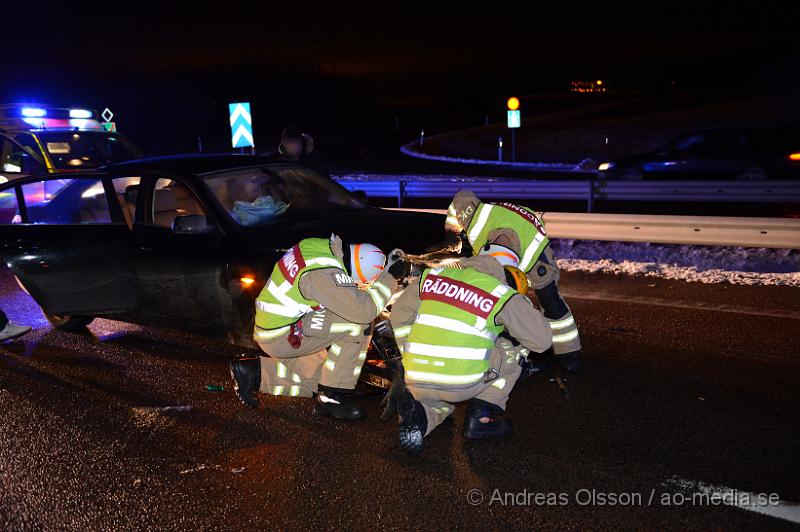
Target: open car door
67,240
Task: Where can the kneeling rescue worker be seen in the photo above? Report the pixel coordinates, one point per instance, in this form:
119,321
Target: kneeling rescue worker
312,319
462,332
519,229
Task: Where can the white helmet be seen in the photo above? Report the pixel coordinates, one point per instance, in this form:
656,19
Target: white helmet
504,256
366,262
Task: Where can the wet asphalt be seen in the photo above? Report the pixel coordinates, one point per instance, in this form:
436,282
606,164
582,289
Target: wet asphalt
685,382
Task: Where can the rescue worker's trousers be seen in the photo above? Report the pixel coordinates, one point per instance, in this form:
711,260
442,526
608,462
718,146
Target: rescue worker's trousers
437,400
331,353
543,277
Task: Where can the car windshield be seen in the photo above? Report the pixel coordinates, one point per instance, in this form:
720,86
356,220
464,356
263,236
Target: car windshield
71,150
262,195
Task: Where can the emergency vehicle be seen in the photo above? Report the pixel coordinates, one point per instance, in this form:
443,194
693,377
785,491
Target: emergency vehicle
38,139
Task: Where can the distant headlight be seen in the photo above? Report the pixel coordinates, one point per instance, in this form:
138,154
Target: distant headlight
605,166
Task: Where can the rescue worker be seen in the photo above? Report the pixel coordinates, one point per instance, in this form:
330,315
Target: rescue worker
520,229
462,331
9,331
312,319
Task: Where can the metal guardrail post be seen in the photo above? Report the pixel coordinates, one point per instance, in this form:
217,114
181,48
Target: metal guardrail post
590,201
401,193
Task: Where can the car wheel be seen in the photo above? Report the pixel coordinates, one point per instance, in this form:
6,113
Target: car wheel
631,174
752,173
65,322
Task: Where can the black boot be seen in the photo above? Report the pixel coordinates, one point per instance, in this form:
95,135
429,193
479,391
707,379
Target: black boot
484,421
246,374
334,402
570,362
413,423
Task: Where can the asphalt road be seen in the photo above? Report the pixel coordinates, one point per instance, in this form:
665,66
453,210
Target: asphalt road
686,383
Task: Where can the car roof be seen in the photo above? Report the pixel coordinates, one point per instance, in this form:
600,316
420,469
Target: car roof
191,164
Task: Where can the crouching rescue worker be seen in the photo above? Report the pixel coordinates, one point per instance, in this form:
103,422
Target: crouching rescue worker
312,319
462,332
520,230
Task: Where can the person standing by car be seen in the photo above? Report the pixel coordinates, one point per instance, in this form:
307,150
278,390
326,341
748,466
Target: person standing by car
519,229
299,147
462,331
9,331
312,319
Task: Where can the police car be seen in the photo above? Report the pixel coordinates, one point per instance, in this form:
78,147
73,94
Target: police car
37,139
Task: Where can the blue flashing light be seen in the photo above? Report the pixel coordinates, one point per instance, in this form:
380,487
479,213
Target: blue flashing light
33,112
80,113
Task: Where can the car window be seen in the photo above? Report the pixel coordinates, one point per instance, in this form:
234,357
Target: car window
66,201
127,189
172,199
16,159
9,210
86,149
260,195
689,143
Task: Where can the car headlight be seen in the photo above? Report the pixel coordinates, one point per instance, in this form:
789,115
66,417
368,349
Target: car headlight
605,166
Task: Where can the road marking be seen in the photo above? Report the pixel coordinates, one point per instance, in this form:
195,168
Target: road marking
788,511
695,305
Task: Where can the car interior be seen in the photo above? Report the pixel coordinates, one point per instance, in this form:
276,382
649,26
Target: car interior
173,199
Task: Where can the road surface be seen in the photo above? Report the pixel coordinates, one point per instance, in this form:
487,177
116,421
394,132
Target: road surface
689,385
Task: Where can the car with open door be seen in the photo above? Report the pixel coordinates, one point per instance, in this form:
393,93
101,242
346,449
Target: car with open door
185,241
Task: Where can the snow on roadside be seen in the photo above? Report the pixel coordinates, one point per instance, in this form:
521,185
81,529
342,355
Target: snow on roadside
704,264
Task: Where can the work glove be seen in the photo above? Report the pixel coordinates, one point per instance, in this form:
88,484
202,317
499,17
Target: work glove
389,401
396,264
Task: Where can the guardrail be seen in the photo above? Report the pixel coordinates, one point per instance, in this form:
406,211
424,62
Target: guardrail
699,230
403,187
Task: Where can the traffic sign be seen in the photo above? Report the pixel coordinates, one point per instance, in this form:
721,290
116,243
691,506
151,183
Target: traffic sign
514,119
241,125
107,115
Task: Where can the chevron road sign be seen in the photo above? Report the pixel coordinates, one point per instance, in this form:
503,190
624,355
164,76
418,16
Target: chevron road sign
241,125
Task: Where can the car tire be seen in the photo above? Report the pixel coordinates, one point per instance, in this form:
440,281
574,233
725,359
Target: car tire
752,173
65,322
631,174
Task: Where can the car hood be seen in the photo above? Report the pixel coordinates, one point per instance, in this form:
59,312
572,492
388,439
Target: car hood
413,232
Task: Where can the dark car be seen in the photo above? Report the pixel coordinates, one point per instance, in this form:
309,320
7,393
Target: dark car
186,242
733,153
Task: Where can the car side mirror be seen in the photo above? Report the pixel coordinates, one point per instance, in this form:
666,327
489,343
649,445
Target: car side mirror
192,224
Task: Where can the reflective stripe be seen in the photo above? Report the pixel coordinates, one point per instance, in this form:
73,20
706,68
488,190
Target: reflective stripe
524,264
324,261
298,309
296,378
362,355
452,220
351,328
402,332
420,361
463,353
264,334
452,210
380,303
335,349
483,216
357,372
383,288
281,370
566,337
453,325
330,364
294,391
423,376
500,291
280,310
277,390
499,383
562,324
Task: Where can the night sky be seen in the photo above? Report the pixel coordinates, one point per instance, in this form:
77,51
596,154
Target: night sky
326,63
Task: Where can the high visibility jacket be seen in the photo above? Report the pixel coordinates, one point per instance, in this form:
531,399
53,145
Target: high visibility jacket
280,303
454,330
523,221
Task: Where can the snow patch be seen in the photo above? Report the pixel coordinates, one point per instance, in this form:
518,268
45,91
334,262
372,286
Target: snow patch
703,264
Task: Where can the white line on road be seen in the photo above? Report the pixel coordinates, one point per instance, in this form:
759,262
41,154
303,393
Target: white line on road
752,502
694,305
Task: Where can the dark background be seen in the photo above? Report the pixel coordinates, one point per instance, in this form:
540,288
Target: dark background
168,70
